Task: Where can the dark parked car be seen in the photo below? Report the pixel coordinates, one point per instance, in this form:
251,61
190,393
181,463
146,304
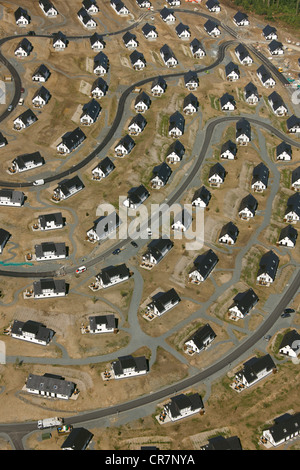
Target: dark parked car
116,252
134,244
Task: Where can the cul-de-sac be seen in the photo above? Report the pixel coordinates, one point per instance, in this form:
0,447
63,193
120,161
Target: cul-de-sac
149,218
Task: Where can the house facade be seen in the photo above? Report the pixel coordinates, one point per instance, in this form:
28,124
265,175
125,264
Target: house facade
129,366
32,331
45,288
50,386
11,197
182,406
200,340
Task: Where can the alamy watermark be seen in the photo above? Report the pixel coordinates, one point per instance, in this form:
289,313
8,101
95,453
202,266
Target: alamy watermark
181,222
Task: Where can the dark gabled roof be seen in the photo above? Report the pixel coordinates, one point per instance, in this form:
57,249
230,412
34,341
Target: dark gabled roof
71,139
290,232
167,52
57,217
101,59
230,67
250,89
202,193
293,121
144,98
46,4
245,301
201,335
106,164
126,141
159,81
276,99
21,12
4,235
260,173
111,271
176,120
95,38
25,45
139,364
77,439
67,184
163,298
210,25
293,204
147,28
135,56
85,16
42,70
176,147
195,45
289,339
212,3
139,120
35,157
92,109
240,16
128,36
190,99
275,45
257,364
108,320
118,4
243,127
283,147
181,27
205,263
165,12
242,51
285,427
43,93
231,230
226,98
3,139
180,402
296,174
217,169
27,116
229,145
250,202
158,246
100,83
60,36
136,195
265,74
267,30
191,76
222,443
163,171
268,264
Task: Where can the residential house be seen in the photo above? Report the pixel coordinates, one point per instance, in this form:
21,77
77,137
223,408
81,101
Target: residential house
32,331
232,72
136,197
51,221
284,429
101,64
296,179
190,104
86,19
99,88
216,175
22,17
149,31
167,15
168,56
143,3
70,141
197,49
277,104
124,146
276,47
3,140
269,32
50,386
41,97
228,150
4,237
48,8
119,7
90,113
200,340
130,40
290,344
157,250
191,80
292,212
268,266
68,188
241,19
11,197
27,161
251,94
227,102
183,31
203,267
129,366
142,102
265,77
104,227
137,60
182,406
78,439
103,169
288,237
284,152
24,48
228,234
49,250
60,41
247,207
243,55
175,152
112,275
211,27
163,302
25,120
182,221
242,132
137,124
223,443
213,6
174,3
102,324
158,86
160,175
176,125
243,303
260,177
201,197
49,287
293,124
255,369
97,42
90,6
41,74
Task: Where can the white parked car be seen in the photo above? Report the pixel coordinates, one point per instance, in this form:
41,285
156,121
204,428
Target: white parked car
80,270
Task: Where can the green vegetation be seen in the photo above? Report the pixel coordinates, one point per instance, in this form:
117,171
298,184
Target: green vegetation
287,11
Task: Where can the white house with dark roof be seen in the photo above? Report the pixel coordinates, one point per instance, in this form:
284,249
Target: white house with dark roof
191,80
23,49
119,7
137,124
277,104
251,94
51,221
85,19
293,124
41,97
197,49
60,41
103,169
183,31
284,152
137,60
167,15
22,17
129,40
99,88
269,32
11,197
216,175
260,177
149,31
211,27
129,366
232,72
24,120
242,132
160,175
201,197
90,6
268,266
124,146
168,56
136,196
228,150
275,47
175,152
200,340
265,77
101,64
48,8
4,237
3,140
284,429
290,344
27,161
182,221
78,439
49,287
32,331
50,386
156,251
143,3
90,113
204,264
243,303
182,406
288,237
243,55
213,6
190,104
46,251
247,208
227,102
67,188
228,234
142,102
295,183
41,74
102,324
241,19
70,141
97,42
158,86
163,302
292,212
112,275
254,370
176,125
104,227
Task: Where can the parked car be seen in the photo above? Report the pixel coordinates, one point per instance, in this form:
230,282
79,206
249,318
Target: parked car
9,108
134,244
80,270
285,315
116,252
21,101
